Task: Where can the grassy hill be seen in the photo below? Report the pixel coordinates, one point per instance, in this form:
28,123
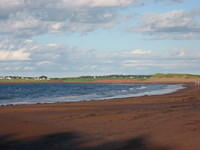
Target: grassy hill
173,75
108,77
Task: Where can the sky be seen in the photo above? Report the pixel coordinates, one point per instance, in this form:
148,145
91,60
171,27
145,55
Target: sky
64,38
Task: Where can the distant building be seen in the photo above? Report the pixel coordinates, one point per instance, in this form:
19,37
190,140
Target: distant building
8,78
43,77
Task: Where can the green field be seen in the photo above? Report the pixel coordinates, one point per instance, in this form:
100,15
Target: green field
171,75
97,78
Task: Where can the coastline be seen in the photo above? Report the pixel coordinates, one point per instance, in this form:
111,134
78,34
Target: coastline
149,93
159,122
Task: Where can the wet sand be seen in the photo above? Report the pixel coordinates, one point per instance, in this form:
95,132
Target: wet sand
164,122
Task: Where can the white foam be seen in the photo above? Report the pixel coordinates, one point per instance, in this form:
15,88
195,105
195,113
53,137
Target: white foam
142,87
94,96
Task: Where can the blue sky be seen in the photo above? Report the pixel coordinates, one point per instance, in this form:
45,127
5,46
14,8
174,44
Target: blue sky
61,38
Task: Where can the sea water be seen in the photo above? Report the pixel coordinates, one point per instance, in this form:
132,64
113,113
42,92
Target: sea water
72,92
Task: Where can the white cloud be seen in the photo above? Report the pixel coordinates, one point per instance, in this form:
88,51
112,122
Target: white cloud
99,3
28,41
43,63
52,44
28,68
177,24
185,53
14,55
62,59
132,61
141,52
27,18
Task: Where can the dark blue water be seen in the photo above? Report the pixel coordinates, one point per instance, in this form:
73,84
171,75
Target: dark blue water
65,92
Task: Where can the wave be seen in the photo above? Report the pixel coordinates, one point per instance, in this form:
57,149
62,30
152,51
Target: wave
98,92
142,87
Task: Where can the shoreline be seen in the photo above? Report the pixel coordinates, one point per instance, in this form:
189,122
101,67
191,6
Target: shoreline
153,93
160,122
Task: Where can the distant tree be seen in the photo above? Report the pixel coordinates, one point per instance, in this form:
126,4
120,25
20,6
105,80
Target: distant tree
43,77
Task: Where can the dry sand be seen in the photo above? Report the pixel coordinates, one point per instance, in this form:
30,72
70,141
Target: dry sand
165,122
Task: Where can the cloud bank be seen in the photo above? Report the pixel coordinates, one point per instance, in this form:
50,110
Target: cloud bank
24,19
14,55
28,18
177,24
61,60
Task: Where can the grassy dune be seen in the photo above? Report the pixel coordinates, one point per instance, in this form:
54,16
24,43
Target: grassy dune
175,75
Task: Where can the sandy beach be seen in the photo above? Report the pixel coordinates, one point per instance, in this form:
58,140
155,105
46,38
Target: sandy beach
164,122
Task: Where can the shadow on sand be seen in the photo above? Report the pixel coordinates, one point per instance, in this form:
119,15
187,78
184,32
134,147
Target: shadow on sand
70,141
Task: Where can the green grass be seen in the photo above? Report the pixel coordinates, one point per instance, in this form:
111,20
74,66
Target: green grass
171,75
77,79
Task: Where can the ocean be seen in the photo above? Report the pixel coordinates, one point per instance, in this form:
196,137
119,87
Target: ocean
72,92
